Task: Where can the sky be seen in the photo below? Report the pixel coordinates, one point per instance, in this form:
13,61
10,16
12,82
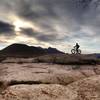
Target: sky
51,23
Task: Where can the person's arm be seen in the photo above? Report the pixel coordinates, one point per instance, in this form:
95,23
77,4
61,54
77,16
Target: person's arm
75,46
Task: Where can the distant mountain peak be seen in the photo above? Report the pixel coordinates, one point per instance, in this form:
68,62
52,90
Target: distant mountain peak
21,50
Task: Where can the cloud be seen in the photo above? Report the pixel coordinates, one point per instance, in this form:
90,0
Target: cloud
39,35
57,21
72,14
28,31
6,28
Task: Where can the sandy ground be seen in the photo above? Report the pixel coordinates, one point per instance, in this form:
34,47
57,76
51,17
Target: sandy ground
43,81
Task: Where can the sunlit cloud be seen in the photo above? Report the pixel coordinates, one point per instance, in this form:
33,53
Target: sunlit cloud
56,23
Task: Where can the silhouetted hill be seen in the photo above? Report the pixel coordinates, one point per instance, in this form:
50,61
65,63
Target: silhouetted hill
97,55
22,50
53,51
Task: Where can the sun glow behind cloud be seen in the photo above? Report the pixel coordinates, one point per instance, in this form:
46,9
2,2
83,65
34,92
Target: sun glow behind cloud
57,23
20,23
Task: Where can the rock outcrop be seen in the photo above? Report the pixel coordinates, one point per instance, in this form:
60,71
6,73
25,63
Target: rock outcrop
42,81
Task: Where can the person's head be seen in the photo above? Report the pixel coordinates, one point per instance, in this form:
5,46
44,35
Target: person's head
76,43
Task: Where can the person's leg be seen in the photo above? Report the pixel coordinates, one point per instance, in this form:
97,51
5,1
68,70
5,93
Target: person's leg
77,49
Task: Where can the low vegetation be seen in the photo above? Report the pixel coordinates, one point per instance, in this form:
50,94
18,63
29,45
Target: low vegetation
68,59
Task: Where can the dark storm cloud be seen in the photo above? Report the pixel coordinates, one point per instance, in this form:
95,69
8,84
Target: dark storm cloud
48,37
47,13
70,13
39,35
52,8
6,28
57,20
28,31
27,10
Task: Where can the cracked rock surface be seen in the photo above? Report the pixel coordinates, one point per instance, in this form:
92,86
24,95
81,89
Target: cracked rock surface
43,81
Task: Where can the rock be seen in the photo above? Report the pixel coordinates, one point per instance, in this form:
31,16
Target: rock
42,81
87,89
39,92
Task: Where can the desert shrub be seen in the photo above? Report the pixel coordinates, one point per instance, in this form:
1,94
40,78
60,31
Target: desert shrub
39,60
98,61
75,67
53,59
89,61
68,60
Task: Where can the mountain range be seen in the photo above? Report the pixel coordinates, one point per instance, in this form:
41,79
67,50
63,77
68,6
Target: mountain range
23,50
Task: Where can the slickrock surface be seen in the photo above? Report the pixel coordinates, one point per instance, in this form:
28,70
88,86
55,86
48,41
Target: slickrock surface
42,81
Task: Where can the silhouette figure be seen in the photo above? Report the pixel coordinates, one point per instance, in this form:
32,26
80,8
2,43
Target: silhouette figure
76,49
